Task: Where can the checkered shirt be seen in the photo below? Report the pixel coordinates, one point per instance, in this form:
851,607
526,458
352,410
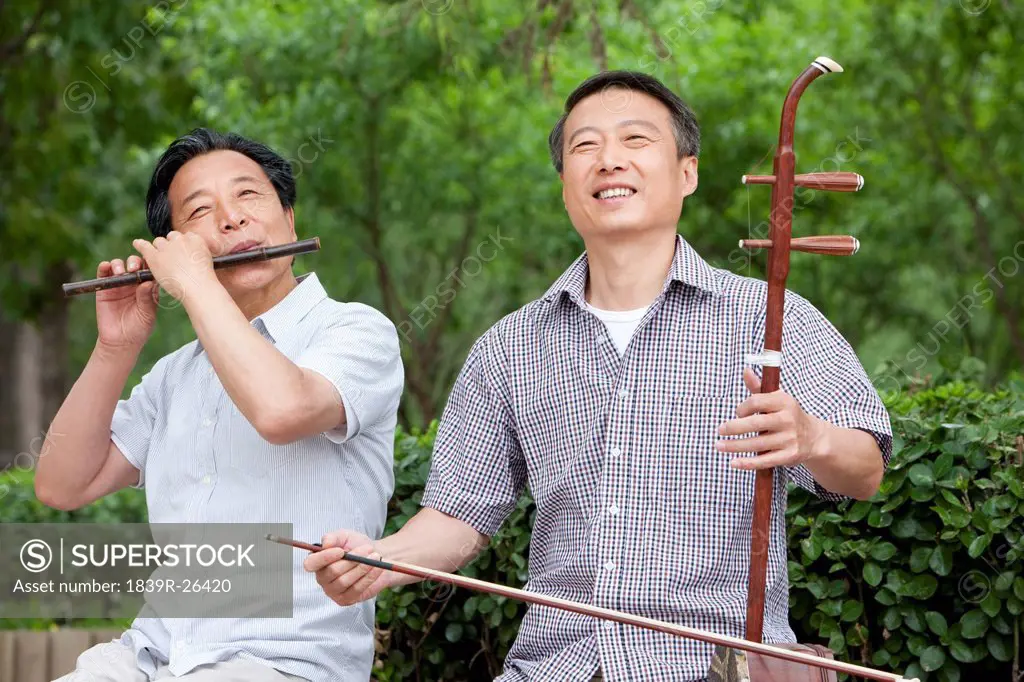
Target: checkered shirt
636,510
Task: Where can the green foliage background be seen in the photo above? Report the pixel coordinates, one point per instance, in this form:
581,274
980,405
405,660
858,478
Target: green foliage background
418,132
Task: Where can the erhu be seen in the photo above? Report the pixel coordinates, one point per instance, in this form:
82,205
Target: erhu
779,245
219,262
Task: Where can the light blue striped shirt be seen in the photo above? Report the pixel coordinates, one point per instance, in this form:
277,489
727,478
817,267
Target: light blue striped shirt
201,461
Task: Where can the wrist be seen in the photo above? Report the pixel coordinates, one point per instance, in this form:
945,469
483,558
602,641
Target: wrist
821,441
198,289
117,354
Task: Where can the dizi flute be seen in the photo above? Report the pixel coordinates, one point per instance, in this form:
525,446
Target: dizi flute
225,261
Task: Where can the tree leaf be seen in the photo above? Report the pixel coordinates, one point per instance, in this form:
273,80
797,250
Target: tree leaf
941,560
453,633
883,551
872,574
1000,646
921,474
936,622
975,624
978,545
852,610
932,658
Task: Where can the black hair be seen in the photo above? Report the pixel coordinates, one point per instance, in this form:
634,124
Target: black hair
684,122
203,141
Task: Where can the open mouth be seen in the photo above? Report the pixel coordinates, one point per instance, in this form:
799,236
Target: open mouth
614,194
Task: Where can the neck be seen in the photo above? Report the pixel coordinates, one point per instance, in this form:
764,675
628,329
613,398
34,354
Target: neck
628,273
254,303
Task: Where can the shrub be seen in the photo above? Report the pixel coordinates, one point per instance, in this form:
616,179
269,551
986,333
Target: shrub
923,578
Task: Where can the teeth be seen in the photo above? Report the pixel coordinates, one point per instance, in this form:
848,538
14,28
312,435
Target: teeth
615,192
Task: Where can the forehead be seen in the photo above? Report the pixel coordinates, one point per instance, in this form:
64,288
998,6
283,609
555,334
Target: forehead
613,105
208,170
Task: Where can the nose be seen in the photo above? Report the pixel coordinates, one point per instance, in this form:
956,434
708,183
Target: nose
235,220
611,158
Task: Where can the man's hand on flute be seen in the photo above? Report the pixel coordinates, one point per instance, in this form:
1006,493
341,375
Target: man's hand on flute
125,316
181,263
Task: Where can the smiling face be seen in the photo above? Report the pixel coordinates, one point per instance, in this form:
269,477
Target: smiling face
227,199
621,171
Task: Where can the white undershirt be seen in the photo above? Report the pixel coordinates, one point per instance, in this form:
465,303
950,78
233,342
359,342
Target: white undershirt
620,323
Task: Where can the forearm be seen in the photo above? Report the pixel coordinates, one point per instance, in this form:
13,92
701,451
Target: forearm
261,381
78,439
434,540
846,461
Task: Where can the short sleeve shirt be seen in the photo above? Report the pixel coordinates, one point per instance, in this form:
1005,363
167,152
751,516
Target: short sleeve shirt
201,461
635,509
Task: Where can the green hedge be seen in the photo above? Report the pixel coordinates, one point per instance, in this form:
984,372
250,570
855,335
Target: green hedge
923,578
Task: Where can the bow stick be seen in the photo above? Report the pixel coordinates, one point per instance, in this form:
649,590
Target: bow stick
604,614
779,244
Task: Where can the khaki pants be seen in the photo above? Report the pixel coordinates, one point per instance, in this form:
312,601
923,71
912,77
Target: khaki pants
115,662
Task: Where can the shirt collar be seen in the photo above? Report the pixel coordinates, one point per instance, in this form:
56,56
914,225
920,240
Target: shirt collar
287,312
687,268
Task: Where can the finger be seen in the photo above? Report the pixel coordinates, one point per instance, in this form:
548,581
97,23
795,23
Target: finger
751,380
145,248
764,443
148,294
757,423
761,402
347,540
335,539
363,585
103,269
172,235
317,561
117,266
159,243
348,579
134,263
774,458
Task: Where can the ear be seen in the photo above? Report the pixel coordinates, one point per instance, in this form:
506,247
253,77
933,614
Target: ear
561,177
290,216
688,175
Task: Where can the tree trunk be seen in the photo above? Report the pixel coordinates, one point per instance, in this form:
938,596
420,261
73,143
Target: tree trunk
53,347
9,411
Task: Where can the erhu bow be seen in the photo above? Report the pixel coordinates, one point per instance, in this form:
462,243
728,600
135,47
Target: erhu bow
765,659
779,244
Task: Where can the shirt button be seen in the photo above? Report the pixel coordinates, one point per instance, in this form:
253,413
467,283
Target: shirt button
615,452
614,509
207,480
609,566
207,422
623,393
609,624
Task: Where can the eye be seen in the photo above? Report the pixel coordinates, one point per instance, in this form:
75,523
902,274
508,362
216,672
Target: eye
246,191
581,145
636,137
197,210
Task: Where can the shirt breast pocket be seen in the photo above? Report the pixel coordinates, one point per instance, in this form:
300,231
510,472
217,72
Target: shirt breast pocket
696,475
